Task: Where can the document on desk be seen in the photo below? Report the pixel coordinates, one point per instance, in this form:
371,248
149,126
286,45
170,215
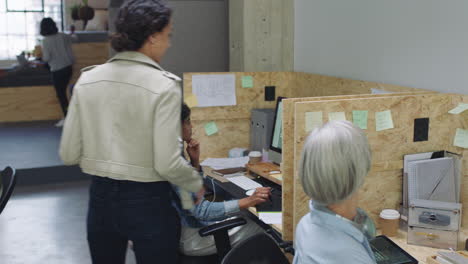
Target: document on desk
214,89
271,218
225,163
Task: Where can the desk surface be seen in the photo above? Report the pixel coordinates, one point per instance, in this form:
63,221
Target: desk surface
419,252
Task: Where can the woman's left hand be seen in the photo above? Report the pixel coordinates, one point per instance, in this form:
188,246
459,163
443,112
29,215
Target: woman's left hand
193,150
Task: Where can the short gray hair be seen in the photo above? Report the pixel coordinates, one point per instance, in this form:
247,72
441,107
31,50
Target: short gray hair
335,160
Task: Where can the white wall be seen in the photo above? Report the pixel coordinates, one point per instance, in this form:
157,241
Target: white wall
417,43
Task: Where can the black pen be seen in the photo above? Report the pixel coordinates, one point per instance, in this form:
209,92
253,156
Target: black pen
271,192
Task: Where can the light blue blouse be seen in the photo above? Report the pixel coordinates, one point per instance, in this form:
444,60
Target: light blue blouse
324,238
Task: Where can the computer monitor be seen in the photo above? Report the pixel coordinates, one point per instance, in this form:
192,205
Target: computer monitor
276,145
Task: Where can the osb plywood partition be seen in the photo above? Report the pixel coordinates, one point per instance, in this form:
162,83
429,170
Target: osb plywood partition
382,188
233,122
29,104
231,133
247,98
308,85
288,166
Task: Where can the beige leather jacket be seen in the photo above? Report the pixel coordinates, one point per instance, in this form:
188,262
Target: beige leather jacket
124,121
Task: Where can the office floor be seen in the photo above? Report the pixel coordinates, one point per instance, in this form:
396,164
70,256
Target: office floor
46,224
29,144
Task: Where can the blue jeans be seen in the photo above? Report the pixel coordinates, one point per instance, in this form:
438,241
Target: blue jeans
124,210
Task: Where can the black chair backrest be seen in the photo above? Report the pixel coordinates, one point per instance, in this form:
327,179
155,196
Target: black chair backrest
257,249
8,178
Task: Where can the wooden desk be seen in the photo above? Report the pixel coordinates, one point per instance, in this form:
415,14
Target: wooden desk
419,252
263,169
208,172
277,227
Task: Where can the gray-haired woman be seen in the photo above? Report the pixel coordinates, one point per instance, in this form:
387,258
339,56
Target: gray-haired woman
335,160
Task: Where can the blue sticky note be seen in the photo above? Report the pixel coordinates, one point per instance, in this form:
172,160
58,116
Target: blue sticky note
211,128
360,119
247,82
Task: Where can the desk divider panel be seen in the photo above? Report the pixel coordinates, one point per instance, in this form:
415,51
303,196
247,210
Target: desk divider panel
308,84
382,188
288,166
234,121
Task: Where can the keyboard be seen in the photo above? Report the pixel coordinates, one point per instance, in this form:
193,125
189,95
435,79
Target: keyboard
244,182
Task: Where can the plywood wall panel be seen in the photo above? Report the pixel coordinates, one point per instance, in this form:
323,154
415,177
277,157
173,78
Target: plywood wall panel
289,167
231,134
311,85
388,146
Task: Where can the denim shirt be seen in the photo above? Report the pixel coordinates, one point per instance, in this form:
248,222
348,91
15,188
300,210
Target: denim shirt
322,237
206,212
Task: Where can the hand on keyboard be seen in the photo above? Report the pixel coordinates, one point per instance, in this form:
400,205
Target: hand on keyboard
260,195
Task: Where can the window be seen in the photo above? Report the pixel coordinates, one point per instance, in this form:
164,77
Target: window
20,21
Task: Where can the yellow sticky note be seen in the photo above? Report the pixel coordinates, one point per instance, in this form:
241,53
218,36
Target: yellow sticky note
247,82
313,120
211,128
461,138
459,109
336,116
360,119
383,120
191,100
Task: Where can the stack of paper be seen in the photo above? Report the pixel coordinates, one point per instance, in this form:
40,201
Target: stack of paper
432,179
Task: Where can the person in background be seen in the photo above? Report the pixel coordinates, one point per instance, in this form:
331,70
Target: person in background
122,127
57,52
206,212
335,160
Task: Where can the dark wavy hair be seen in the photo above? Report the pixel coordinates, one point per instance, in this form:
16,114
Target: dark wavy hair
136,21
185,114
48,27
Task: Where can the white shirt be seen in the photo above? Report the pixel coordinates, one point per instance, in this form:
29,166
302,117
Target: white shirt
57,51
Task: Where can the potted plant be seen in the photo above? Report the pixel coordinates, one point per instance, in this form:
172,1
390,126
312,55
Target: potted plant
74,10
85,13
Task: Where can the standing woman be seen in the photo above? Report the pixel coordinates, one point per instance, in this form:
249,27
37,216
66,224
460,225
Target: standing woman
57,51
122,128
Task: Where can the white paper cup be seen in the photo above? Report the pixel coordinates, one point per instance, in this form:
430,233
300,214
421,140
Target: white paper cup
389,221
255,157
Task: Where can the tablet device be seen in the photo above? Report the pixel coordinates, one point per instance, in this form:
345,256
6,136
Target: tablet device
387,252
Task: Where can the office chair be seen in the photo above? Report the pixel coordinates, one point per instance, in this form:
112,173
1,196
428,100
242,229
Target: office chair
8,178
220,233
257,249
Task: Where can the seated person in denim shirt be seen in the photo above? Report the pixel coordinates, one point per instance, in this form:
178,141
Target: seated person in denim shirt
335,160
206,212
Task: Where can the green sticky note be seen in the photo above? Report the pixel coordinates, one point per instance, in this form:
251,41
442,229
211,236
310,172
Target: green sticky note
383,120
360,119
459,109
336,116
247,82
313,120
461,138
211,128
